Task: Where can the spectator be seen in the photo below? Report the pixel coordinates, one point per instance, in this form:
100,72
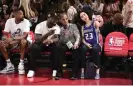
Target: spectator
78,5
110,8
69,40
46,35
27,8
18,29
98,6
116,24
71,11
127,12
90,36
122,3
88,4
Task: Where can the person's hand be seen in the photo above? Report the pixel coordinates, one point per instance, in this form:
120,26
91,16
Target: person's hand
8,40
75,46
51,32
3,44
89,45
99,18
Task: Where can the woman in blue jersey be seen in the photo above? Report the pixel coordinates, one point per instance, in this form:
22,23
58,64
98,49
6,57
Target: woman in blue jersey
90,39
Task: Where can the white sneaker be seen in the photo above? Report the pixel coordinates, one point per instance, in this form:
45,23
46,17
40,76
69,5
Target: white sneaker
8,69
30,74
54,73
21,68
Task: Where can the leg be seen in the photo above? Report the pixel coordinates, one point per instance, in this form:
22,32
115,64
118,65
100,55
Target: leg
75,67
83,51
60,55
96,58
35,50
4,50
23,47
54,59
9,67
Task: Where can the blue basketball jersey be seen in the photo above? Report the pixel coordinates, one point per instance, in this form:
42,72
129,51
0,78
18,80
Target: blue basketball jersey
90,34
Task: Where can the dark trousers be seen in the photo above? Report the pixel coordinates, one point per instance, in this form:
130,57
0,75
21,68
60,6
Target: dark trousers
35,50
60,55
94,53
129,31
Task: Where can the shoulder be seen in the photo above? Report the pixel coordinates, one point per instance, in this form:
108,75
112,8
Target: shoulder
42,23
56,27
11,20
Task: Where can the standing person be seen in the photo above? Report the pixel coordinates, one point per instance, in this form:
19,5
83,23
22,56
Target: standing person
90,36
18,29
127,13
46,36
69,40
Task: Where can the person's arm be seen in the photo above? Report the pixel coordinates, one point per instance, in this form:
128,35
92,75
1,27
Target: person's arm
100,20
39,38
76,34
55,37
6,31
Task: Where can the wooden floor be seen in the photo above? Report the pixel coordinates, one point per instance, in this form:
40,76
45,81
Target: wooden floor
43,77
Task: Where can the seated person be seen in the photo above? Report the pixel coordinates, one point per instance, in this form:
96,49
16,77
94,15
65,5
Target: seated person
18,29
69,40
114,25
90,40
46,36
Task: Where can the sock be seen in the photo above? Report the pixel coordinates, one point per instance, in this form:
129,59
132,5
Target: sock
82,70
8,62
54,73
21,61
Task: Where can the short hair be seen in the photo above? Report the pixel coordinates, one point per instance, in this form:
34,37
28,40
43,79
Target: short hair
52,20
19,9
62,14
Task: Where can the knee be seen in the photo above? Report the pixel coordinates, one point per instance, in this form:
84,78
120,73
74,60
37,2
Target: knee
2,46
84,48
96,48
23,42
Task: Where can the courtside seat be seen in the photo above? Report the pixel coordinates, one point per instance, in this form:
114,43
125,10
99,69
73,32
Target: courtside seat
116,44
116,48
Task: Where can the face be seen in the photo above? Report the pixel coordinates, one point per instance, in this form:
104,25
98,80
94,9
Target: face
64,20
19,15
84,17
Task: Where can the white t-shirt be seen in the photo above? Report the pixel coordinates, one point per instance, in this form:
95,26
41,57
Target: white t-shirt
17,29
42,28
